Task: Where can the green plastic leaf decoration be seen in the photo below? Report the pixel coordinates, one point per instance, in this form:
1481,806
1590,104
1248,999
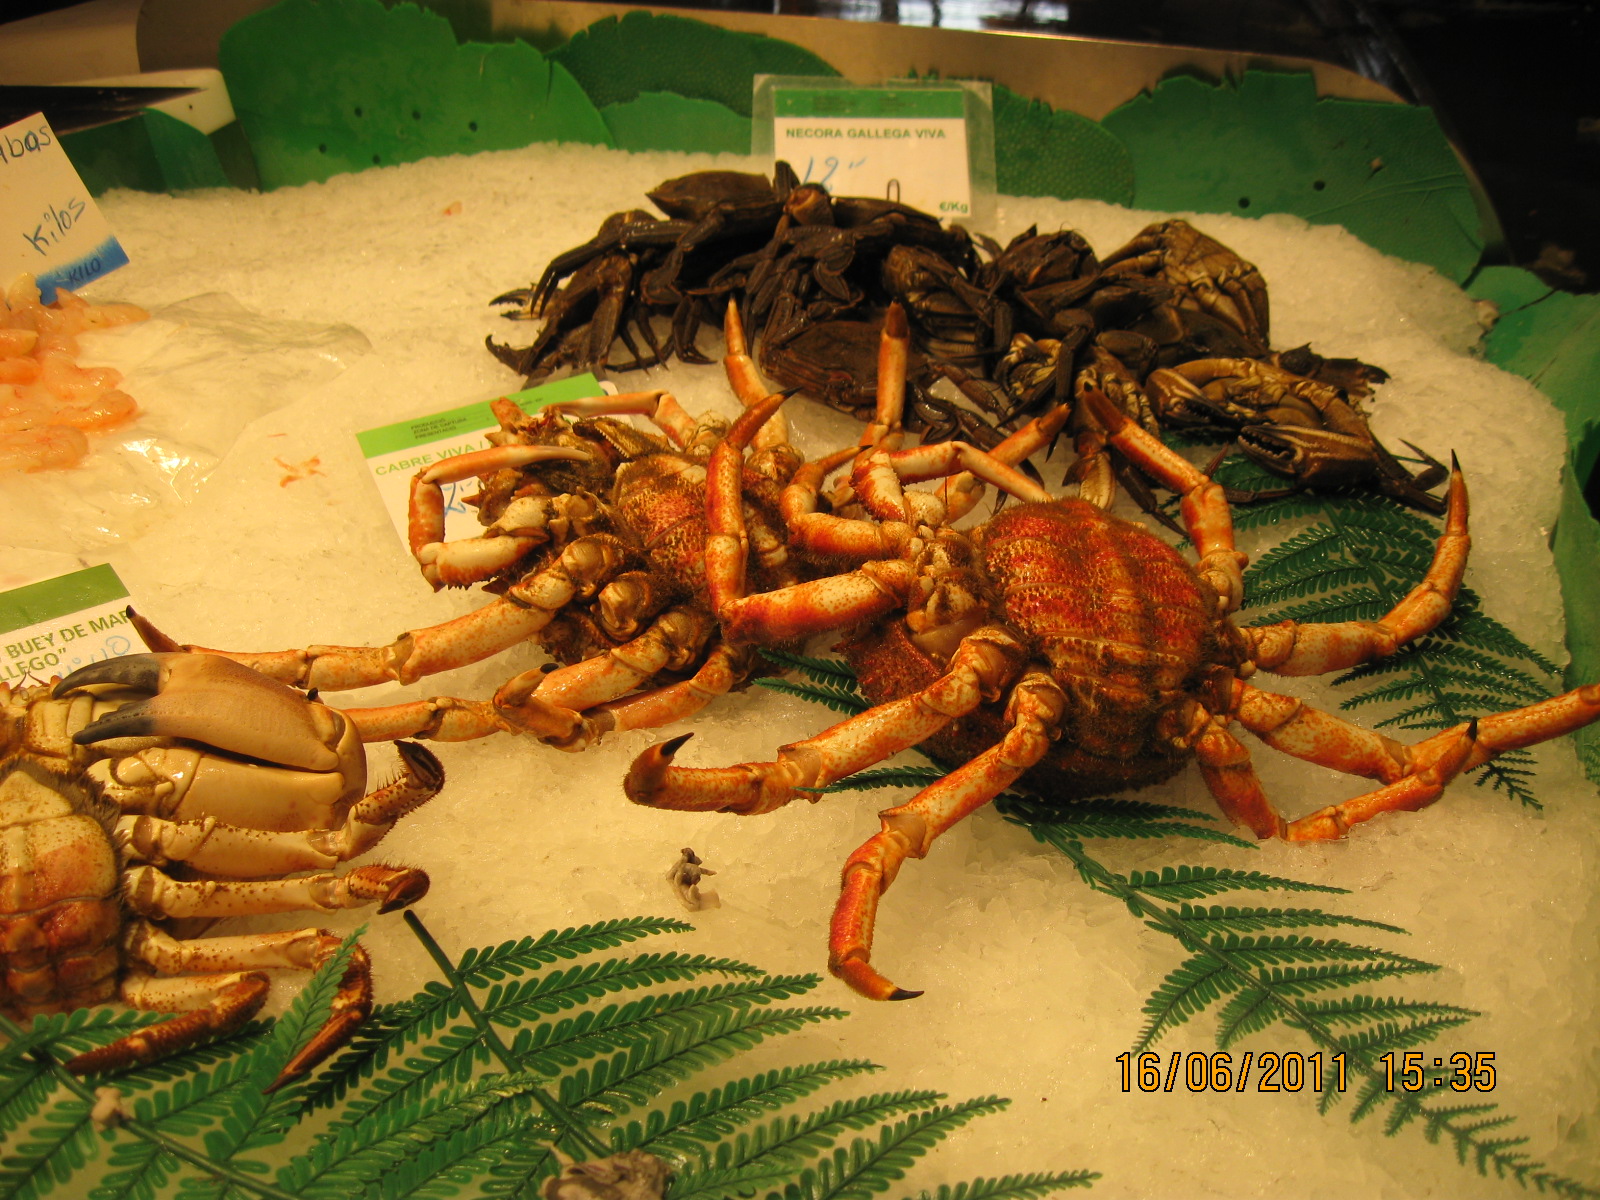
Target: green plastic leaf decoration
327,86
1266,144
617,60
666,121
1044,151
1552,339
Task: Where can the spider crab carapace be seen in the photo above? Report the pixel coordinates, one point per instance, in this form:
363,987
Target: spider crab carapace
1054,639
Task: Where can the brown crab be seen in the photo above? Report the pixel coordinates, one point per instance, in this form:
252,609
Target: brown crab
1059,641
240,786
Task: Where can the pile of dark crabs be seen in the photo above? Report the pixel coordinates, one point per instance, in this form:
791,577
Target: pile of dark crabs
1172,327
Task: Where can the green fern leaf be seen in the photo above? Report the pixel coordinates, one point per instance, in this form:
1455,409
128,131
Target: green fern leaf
479,968
1361,1009
674,1052
1189,883
48,1151
868,1167
782,1146
1012,1187
690,1127
558,990
840,699
833,671
1189,988
1220,917
883,777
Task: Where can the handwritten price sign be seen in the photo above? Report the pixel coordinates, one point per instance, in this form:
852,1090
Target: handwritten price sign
913,144
50,227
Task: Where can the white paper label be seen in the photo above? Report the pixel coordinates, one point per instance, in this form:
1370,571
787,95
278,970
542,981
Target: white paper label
50,227
395,453
58,625
906,145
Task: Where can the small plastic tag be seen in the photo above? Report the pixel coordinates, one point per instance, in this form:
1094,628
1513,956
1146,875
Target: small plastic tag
925,143
50,227
395,453
58,625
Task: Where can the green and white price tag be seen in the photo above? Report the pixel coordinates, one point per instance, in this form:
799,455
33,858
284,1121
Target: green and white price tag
926,144
58,625
395,453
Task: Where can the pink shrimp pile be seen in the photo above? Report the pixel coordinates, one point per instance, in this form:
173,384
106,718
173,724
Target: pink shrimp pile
47,401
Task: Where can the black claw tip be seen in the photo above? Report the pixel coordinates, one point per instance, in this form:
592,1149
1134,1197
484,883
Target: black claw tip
901,993
422,763
1455,463
142,671
128,721
672,745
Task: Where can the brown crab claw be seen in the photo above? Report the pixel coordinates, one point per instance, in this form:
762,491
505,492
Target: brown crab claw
1321,458
211,699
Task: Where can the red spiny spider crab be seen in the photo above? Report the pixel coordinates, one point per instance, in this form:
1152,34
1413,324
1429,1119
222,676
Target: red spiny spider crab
1055,639
151,761
594,544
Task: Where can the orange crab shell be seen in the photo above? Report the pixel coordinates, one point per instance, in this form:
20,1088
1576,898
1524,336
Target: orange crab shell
1130,630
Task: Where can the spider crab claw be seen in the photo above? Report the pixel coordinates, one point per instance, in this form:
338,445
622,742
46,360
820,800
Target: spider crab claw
1321,458
210,699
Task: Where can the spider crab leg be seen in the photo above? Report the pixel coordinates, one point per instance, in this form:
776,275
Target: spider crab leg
660,408
1289,648
983,664
426,511
525,608
1034,713
1204,507
746,380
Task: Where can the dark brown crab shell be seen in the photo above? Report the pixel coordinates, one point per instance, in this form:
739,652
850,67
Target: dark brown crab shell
1120,619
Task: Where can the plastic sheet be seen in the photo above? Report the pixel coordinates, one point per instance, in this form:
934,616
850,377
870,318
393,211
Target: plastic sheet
201,369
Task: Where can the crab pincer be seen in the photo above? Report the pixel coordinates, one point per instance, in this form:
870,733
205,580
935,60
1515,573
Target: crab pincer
256,792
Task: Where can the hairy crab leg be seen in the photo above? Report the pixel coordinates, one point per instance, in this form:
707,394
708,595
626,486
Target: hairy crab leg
983,664
425,524
1289,648
1034,714
1204,506
746,380
525,608
674,638
801,609
723,668
212,1005
660,408
1439,759
514,709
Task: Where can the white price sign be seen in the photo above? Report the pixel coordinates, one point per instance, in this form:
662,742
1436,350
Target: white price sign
50,227
909,144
